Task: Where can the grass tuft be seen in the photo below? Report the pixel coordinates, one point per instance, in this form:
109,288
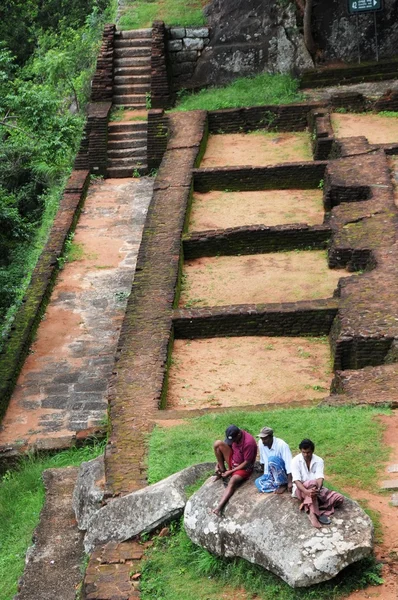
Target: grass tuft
176,568
261,90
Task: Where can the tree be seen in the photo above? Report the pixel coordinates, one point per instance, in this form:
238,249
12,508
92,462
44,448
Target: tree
305,8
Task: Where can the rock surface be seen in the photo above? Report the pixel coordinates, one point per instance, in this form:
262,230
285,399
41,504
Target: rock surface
143,510
89,490
249,37
269,530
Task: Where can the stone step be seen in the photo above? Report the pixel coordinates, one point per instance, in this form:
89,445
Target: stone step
133,71
123,153
124,128
133,34
394,500
390,485
124,144
125,104
132,52
129,99
129,171
128,90
132,61
129,161
392,469
132,79
133,43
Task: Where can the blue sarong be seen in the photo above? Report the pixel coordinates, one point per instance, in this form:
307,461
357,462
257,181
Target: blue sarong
274,478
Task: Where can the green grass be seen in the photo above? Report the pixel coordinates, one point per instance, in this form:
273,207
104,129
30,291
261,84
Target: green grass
21,500
263,89
176,568
388,113
142,13
343,436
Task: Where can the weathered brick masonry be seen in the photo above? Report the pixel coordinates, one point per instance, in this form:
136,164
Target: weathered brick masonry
39,290
302,176
255,239
161,95
312,318
157,136
136,391
102,83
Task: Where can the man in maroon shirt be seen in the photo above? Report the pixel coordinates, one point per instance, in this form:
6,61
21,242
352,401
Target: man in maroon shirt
238,451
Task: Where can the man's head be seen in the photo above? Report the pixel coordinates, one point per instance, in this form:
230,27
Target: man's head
307,448
232,434
266,435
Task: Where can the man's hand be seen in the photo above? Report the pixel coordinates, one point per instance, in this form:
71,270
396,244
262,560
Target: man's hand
312,491
226,474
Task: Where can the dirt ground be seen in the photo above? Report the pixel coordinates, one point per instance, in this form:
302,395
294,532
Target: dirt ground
258,149
220,210
387,550
377,129
258,278
243,371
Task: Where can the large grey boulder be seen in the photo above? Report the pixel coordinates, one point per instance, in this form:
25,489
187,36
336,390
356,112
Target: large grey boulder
89,490
250,37
143,510
269,530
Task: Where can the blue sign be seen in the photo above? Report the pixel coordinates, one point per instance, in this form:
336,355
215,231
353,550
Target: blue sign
358,6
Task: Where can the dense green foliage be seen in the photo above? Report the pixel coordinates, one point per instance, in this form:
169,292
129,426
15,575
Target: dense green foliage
246,91
141,13
176,568
42,105
21,500
341,435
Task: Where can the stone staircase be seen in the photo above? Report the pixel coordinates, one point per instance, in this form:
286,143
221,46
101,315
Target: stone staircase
132,68
127,140
127,144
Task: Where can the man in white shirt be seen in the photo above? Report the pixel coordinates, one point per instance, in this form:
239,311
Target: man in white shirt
276,457
308,476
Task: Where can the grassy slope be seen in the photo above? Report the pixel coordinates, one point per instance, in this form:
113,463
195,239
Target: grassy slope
247,91
141,13
21,500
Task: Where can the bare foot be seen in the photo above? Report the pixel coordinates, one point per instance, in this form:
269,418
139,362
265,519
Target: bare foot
314,520
281,489
217,512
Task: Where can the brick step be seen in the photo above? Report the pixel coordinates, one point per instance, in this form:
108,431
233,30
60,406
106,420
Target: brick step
132,52
132,79
122,153
132,61
129,171
128,90
133,34
126,144
133,71
126,128
132,43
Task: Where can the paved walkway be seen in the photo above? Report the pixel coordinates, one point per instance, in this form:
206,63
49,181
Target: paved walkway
62,387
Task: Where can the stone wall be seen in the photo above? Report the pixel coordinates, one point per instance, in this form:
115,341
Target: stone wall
256,239
184,47
312,318
157,137
161,92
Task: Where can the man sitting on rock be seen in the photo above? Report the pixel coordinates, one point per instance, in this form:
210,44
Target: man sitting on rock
276,457
238,451
308,476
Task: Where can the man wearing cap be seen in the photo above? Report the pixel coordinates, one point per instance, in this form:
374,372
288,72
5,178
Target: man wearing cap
276,457
238,451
